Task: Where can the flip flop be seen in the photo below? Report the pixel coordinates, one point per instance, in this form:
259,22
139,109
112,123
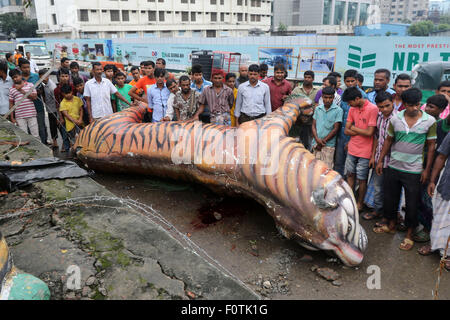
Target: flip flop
406,245
425,250
371,215
421,236
383,229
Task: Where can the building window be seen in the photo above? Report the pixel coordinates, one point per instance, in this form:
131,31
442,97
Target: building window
185,16
240,16
184,1
55,22
166,34
115,16
210,33
351,13
152,16
222,16
239,2
339,12
52,2
161,16
213,1
125,15
213,16
193,16
326,11
83,15
295,19
193,1
363,13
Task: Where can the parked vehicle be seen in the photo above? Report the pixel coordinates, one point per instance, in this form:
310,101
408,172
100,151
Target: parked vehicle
38,53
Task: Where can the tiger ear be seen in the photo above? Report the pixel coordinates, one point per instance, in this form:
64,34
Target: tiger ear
318,198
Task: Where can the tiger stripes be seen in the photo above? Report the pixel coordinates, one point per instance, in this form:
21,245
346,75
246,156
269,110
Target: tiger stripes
122,143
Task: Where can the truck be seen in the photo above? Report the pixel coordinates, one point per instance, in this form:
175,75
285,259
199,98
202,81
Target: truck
38,53
212,61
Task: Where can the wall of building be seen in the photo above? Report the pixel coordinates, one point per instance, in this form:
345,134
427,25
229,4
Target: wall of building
166,18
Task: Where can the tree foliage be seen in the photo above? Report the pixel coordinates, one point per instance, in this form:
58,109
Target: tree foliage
421,29
21,26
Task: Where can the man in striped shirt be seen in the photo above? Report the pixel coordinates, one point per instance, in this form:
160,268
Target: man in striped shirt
25,113
408,132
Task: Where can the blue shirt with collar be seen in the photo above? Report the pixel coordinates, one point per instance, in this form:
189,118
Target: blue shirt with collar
157,100
203,86
373,94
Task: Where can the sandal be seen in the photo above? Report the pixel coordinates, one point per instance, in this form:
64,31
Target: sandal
406,244
383,229
425,250
421,236
371,215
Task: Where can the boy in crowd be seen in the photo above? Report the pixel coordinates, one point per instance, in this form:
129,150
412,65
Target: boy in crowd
302,128
186,101
350,80
199,84
374,196
25,113
47,92
72,109
402,83
123,89
144,83
219,99
161,63
158,95
444,89
75,72
10,60
360,80
329,81
65,63
440,230
360,126
136,74
172,85
338,89
326,122
79,87
28,76
64,79
279,87
110,70
408,133
230,81
263,70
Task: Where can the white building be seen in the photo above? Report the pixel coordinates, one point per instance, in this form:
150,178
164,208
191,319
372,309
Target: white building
17,7
399,11
321,16
151,18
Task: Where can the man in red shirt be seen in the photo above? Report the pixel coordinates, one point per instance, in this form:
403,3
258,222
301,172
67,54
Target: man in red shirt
279,87
360,126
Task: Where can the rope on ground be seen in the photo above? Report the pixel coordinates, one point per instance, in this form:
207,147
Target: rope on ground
145,210
441,267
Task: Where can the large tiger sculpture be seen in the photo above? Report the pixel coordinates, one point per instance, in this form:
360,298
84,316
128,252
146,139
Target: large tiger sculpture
309,202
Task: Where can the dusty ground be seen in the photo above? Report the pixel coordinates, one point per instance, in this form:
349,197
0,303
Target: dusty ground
241,236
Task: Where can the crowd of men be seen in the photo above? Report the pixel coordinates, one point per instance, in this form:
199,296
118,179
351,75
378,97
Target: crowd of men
353,131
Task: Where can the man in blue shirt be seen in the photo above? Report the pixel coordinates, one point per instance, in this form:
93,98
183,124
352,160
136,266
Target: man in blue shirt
157,95
381,81
24,66
198,84
350,80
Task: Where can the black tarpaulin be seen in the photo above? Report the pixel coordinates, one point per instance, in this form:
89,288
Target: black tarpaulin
17,176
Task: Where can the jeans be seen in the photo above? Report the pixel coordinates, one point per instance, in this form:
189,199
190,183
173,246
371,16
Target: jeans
41,125
341,156
358,166
378,195
393,182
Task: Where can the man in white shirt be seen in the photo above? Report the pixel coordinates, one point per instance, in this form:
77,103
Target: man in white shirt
173,87
5,84
97,93
33,65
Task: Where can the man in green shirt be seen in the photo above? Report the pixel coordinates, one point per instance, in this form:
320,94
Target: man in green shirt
10,60
123,89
